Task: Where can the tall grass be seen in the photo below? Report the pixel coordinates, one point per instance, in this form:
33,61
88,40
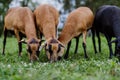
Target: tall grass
97,67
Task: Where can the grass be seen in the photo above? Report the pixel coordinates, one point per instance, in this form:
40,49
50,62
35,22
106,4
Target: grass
97,67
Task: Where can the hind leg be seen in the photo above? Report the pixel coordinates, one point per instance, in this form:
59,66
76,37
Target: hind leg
84,44
93,40
99,41
4,41
77,42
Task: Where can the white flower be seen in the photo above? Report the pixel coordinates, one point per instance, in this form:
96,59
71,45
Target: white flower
25,64
119,63
30,64
22,62
29,75
20,71
9,65
44,64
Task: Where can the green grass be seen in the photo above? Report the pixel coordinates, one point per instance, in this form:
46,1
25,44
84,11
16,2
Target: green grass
97,67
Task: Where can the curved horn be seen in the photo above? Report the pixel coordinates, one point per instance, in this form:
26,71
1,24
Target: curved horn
23,41
42,46
62,45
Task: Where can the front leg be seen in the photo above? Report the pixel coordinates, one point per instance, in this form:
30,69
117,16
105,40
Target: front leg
67,52
111,51
19,43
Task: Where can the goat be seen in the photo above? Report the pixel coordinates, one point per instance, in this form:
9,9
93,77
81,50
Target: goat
47,18
21,21
97,32
106,21
77,23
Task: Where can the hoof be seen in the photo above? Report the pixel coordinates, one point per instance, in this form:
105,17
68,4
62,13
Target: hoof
65,57
59,58
86,56
110,57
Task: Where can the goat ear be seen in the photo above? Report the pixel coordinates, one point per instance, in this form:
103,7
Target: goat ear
62,45
114,41
23,41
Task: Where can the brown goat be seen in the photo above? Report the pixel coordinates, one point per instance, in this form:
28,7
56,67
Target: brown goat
21,21
78,22
47,18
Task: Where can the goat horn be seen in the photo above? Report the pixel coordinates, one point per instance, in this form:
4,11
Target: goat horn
63,45
42,46
23,41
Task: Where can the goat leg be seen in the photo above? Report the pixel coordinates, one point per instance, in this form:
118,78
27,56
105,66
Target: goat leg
4,41
93,40
84,43
19,43
77,42
67,52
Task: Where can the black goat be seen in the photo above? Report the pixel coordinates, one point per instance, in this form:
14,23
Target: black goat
107,21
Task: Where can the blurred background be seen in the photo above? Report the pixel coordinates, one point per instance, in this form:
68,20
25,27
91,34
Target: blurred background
63,6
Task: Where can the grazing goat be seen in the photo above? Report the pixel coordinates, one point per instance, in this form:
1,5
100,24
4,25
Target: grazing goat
97,32
77,23
21,21
47,18
107,21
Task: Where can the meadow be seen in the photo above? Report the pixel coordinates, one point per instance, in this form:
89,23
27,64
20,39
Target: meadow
76,67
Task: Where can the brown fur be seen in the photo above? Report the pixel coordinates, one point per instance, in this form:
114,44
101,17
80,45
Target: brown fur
78,22
47,20
21,19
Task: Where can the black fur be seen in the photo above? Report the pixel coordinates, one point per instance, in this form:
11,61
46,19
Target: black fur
50,49
69,44
29,50
67,51
5,37
107,21
4,41
59,48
